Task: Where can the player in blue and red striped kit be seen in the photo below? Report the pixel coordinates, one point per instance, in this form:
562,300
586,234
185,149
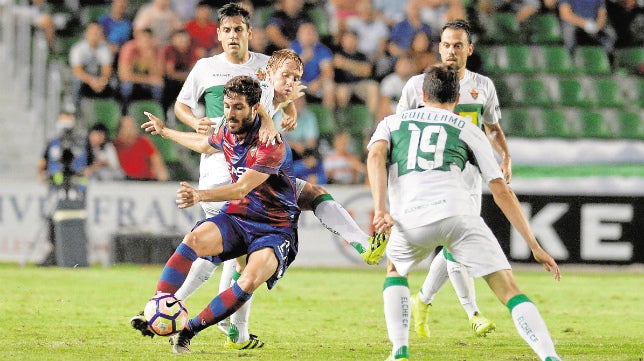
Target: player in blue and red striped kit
259,218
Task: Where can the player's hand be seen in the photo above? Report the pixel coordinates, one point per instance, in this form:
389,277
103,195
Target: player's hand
187,195
548,263
155,126
382,222
288,122
506,168
204,126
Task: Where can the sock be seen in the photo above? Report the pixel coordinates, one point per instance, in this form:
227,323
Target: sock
238,331
222,306
463,285
176,269
227,270
200,272
397,314
531,326
436,278
337,220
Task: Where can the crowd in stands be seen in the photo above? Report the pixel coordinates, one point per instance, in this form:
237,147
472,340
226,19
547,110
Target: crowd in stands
357,56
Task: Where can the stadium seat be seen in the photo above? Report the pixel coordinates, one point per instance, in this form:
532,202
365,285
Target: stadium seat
627,59
137,107
544,29
517,122
166,147
263,14
607,93
592,60
321,21
556,60
488,56
325,119
516,59
533,92
106,111
503,91
631,125
503,28
360,119
556,124
593,125
572,94
62,46
91,13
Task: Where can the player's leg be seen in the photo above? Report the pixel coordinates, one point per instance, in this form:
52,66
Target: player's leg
420,302
237,332
526,316
202,269
396,297
336,219
225,281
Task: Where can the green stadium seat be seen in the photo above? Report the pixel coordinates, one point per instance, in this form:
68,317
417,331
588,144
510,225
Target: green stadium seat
557,60
572,94
91,13
503,91
533,92
627,59
137,107
62,46
263,14
631,125
106,111
517,122
488,56
503,29
544,29
556,124
360,119
516,59
325,119
639,93
593,125
608,93
166,147
321,21
592,60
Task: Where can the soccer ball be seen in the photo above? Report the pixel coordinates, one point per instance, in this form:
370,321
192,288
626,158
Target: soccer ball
166,315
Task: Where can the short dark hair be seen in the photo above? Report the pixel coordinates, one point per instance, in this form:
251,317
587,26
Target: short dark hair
231,10
440,84
246,86
461,24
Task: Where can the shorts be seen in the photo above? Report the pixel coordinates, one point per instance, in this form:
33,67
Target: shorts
242,236
467,238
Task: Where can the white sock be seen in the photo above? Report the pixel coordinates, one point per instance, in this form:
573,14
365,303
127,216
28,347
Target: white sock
239,322
397,302
531,326
336,219
464,287
200,271
436,278
227,270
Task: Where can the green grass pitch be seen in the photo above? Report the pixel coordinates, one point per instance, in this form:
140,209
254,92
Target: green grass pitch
315,314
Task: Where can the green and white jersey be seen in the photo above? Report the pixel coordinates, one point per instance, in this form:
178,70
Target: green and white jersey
428,150
206,81
478,102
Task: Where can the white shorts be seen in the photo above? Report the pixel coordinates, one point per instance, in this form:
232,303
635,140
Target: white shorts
467,238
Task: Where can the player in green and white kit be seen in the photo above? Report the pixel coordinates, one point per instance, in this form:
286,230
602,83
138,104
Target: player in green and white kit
479,103
426,151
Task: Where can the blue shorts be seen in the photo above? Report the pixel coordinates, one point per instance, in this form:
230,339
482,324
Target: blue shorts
242,236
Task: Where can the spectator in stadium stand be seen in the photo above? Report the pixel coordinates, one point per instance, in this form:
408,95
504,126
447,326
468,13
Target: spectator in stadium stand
177,59
523,9
159,17
341,166
102,159
307,133
116,26
139,157
392,85
436,13
421,52
373,33
310,167
91,62
403,32
284,23
391,12
139,70
588,18
353,74
318,64
203,31
340,11
185,9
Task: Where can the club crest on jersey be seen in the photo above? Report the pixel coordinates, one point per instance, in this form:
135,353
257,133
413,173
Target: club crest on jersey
260,74
474,93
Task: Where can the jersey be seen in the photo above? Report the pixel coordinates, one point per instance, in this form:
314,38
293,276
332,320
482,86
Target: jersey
478,102
429,148
206,81
273,202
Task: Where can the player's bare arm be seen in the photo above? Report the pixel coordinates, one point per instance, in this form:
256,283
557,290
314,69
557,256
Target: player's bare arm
507,201
194,141
288,109
267,132
186,116
188,196
497,138
377,172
